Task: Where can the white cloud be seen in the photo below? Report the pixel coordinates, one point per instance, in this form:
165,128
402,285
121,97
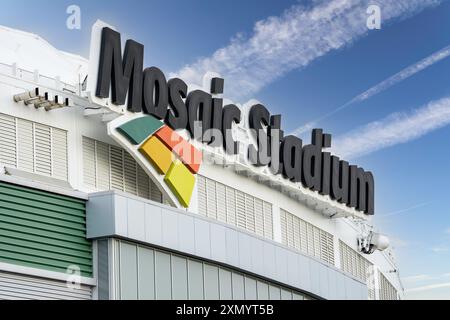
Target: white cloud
439,249
401,211
291,41
394,129
429,287
417,278
382,86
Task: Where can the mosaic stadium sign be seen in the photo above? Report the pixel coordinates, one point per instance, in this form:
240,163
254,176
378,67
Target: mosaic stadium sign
169,106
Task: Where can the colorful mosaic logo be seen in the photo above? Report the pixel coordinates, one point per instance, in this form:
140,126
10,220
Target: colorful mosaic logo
169,153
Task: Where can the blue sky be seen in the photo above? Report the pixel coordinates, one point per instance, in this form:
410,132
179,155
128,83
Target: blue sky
319,74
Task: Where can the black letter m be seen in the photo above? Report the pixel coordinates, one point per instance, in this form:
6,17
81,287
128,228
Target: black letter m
123,76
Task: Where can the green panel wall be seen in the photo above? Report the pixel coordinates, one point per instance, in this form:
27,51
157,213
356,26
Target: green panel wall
43,230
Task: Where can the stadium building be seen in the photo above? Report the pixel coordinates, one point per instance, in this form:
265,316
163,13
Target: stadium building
105,194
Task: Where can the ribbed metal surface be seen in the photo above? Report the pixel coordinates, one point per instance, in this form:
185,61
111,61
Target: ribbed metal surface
43,230
145,273
107,167
229,205
22,287
33,147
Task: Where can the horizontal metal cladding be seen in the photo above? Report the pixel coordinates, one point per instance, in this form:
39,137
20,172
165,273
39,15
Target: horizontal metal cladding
43,230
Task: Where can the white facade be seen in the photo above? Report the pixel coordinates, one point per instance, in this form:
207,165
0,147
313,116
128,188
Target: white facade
72,144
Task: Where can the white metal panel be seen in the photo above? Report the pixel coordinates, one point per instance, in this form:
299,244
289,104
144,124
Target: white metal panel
23,287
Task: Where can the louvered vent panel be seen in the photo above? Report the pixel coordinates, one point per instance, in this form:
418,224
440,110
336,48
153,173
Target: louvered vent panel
89,168
25,145
234,207
117,174
42,147
354,263
231,206
211,200
59,154
259,217
221,202
240,209
143,183
307,238
33,147
155,193
130,175
268,220
108,167
102,165
8,144
201,187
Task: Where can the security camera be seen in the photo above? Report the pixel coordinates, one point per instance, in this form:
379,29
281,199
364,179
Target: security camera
379,241
373,241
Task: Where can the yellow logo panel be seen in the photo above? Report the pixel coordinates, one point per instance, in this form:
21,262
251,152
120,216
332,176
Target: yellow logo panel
158,154
181,181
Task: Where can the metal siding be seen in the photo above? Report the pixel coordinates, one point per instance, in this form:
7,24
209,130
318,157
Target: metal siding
179,278
23,287
195,280
182,277
211,282
274,292
43,230
225,288
146,273
163,276
262,289
103,270
238,286
286,294
128,271
250,288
